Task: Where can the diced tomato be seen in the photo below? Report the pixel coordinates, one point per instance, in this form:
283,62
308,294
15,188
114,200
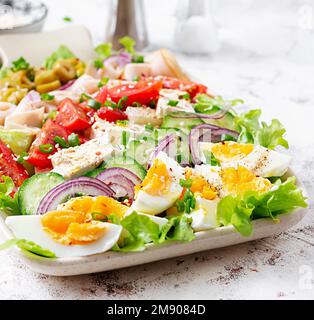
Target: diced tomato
102,95
111,115
72,116
143,92
9,167
191,87
49,130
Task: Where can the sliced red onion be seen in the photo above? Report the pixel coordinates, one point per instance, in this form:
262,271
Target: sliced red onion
67,85
83,185
192,115
121,185
206,133
122,181
119,171
118,60
164,145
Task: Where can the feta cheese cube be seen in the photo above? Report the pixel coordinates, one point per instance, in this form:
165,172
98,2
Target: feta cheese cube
167,95
75,161
112,133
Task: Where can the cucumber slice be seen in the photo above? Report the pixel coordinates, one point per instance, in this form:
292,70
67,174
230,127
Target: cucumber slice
94,173
141,150
34,189
127,163
183,124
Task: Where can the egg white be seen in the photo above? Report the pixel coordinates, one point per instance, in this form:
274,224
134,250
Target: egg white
204,216
30,228
150,204
261,161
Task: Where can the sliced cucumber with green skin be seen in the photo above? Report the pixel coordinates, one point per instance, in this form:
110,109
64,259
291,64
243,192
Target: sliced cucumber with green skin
94,173
142,149
34,189
127,163
183,124
226,122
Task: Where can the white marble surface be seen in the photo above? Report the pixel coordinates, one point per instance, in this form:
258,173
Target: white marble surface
266,58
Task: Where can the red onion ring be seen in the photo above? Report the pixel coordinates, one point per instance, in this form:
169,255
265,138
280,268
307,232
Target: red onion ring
206,133
86,185
67,85
122,181
192,115
165,143
118,60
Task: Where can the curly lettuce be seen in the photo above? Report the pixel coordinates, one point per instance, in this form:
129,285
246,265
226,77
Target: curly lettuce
253,131
240,211
139,230
28,246
8,205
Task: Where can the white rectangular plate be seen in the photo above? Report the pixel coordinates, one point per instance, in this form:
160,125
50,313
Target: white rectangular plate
205,240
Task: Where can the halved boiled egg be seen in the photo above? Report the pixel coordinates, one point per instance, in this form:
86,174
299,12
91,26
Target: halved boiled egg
204,216
66,233
233,180
260,160
101,204
161,187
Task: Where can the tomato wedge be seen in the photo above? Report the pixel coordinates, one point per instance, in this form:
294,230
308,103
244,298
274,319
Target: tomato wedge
143,92
9,167
49,130
191,87
72,116
102,95
111,115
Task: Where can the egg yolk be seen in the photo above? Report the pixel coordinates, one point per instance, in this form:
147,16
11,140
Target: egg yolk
101,204
239,180
230,151
73,223
157,181
72,227
200,186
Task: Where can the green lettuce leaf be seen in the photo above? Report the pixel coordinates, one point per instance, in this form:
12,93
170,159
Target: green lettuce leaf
138,231
104,50
128,43
8,205
207,104
62,52
240,211
252,131
28,246
177,229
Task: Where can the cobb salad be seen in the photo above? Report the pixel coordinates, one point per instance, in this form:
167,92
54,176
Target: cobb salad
125,151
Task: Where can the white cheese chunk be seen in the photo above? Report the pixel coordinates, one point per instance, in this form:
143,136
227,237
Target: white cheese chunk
75,161
143,116
112,133
166,95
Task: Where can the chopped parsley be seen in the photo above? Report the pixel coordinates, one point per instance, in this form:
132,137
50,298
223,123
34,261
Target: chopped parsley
94,104
20,64
138,59
173,103
67,19
47,96
46,148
